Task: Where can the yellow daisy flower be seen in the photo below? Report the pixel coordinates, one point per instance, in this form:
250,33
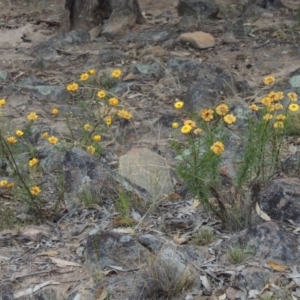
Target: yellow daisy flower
266,101
275,107
3,183
108,120
87,127
116,73
53,140
2,102
35,190
11,139
10,185
97,137
197,131
217,148
33,162
278,125
230,119
113,101
281,117
45,135
254,107
190,123
124,114
54,111
72,87
294,107
222,109
84,76
19,133
32,116
90,149
186,129
92,71
101,94
269,80
207,114
267,117
292,96
175,125
179,104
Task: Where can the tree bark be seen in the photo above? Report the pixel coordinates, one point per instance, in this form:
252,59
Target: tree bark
86,14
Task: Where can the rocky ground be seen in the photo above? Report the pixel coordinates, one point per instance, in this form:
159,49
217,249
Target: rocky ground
85,250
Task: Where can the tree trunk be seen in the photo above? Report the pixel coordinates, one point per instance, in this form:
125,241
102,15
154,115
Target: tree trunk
86,14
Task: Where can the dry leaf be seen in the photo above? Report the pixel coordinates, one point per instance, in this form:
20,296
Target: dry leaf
263,215
222,297
123,221
101,294
195,204
49,253
277,267
205,283
127,230
64,263
30,291
179,240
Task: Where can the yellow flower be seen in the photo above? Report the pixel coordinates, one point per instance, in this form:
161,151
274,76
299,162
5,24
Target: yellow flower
19,133
230,118
2,102
279,96
124,114
278,125
53,140
54,111
190,123
175,125
45,135
293,107
92,71
178,104
33,162
3,183
87,127
207,114
293,96
11,139
281,117
217,148
113,101
222,109
10,185
266,101
197,131
269,80
267,117
97,137
254,107
72,87
116,73
32,116
272,96
84,76
101,94
108,120
276,106
35,190
186,129
90,149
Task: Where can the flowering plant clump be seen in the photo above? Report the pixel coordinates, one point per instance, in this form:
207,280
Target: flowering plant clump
254,158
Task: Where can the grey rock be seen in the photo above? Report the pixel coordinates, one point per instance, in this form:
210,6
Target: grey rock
236,27
147,170
280,200
252,278
106,56
266,3
271,242
3,75
147,70
111,248
188,23
295,81
146,37
6,291
84,173
119,23
198,8
151,242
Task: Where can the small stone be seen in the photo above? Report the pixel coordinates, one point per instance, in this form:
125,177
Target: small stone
198,39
